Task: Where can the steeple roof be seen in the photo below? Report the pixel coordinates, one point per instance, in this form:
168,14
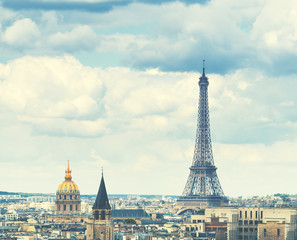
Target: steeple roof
101,199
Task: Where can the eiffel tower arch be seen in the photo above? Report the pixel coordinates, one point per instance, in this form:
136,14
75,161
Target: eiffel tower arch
203,188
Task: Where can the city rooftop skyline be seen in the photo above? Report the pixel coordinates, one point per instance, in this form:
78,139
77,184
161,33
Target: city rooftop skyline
114,84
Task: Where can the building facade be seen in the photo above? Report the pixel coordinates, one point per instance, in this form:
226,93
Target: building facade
245,223
68,196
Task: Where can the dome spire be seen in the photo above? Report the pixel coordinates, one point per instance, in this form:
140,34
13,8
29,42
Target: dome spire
68,172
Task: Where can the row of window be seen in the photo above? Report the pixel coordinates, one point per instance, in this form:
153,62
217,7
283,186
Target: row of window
101,213
64,207
251,230
247,230
198,221
251,214
193,228
248,222
70,197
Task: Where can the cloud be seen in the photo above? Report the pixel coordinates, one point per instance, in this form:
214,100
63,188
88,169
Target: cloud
95,6
23,32
44,90
80,38
98,6
228,34
61,93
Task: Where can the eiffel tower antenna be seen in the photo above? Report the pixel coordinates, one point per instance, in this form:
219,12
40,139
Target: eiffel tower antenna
203,188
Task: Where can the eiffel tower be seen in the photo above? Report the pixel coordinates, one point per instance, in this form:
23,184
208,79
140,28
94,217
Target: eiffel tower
203,188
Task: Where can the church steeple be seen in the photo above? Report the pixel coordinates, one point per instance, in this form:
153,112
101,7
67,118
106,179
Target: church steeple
100,226
102,198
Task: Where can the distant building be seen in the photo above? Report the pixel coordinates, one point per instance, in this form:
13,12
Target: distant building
242,223
100,225
68,196
11,215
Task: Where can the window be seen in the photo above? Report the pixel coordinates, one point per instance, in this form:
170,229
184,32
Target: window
278,232
245,222
240,222
251,214
103,215
261,214
70,197
96,215
194,221
245,214
64,207
70,207
250,222
265,232
64,196
256,214
58,207
240,214
76,207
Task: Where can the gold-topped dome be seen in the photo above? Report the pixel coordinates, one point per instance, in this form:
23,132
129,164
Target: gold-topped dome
68,186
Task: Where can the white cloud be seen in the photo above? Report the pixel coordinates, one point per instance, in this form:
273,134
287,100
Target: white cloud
79,38
276,27
61,90
121,42
228,33
23,32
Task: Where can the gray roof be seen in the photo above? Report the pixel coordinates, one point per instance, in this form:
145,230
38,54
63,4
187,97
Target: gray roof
129,213
101,199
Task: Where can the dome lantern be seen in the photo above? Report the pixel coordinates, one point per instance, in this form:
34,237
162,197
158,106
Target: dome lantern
68,173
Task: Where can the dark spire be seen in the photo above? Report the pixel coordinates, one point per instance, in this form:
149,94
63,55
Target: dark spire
203,68
101,199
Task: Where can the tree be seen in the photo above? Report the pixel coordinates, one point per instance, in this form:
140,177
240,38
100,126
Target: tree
129,221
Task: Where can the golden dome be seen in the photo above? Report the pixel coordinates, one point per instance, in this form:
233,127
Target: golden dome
68,186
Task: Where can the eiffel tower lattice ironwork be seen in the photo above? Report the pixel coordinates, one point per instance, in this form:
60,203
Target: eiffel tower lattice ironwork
203,188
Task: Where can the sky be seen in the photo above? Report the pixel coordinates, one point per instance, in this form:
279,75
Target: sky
114,84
